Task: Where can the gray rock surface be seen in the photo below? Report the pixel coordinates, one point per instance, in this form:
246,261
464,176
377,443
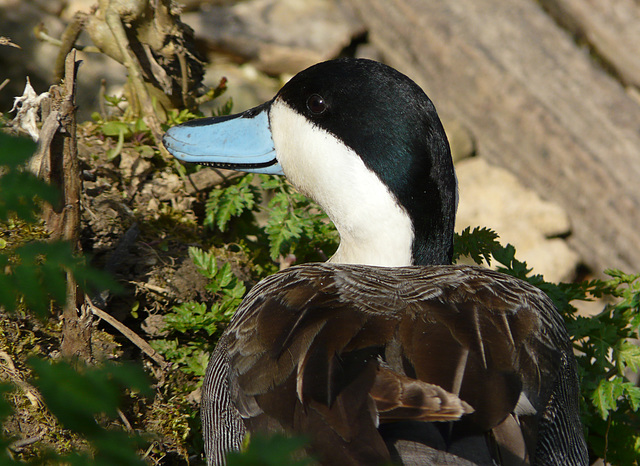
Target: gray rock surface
277,36
492,196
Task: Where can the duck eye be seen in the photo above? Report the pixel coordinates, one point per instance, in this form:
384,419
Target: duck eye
316,104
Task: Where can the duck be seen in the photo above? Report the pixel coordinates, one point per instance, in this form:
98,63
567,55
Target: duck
387,353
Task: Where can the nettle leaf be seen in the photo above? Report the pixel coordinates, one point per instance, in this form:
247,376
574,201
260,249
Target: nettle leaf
38,276
19,188
15,151
20,192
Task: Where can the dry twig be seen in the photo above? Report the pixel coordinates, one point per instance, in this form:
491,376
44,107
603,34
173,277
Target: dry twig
127,332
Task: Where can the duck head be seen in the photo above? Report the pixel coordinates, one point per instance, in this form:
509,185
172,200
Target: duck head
362,140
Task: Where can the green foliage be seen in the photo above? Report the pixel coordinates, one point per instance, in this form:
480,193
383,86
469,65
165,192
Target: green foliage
5,410
33,276
224,109
177,117
94,390
604,346
273,450
231,201
191,324
76,396
20,190
477,244
295,226
123,129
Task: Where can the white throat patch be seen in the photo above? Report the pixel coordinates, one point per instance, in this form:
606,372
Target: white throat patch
374,229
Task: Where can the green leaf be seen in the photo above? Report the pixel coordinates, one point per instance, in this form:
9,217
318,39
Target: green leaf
38,276
632,394
15,151
627,356
177,117
19,188
226,203
94,390
192,357
282,227
477,244
270,450
605,397
117,128
113,153
191,317
225,275
204,261
225,109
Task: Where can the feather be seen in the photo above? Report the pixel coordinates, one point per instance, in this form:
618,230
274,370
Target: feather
332,351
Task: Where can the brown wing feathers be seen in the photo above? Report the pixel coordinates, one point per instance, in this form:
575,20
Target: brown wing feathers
398,397
332,350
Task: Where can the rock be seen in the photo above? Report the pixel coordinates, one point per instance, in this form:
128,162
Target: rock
167,186
154,326
537,103
277,36
206,178
610,28
491,196
134,167
246,85
35,59
461,140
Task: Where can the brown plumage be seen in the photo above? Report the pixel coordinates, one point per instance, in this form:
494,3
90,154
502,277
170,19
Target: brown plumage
333,351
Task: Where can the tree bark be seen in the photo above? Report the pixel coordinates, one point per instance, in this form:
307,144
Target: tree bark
59,166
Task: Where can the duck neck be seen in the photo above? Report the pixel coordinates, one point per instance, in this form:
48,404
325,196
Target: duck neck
393,245
434,246
384,240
